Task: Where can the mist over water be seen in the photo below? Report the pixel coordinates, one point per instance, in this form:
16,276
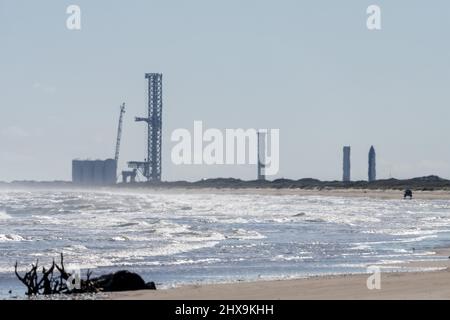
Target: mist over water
177,238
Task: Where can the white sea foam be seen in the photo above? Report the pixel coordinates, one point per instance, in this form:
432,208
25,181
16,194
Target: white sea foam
4,215
242,234
186,262
10,237
166,250
237,220
120,238
282,257
168,228
76,247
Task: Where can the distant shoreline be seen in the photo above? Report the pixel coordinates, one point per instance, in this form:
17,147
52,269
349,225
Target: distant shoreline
383,194
429,183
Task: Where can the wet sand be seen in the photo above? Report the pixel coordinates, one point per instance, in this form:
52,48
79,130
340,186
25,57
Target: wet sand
369,193
393,286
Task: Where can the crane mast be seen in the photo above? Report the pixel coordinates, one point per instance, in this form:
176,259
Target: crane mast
119,132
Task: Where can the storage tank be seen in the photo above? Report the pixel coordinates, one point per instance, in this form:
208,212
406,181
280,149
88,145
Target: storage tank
77,171
110,172
94,173
98,172
88,172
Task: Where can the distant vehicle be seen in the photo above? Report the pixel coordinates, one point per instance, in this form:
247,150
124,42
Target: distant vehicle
408,193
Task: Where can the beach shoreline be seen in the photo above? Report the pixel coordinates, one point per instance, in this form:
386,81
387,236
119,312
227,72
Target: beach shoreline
433,282
385,194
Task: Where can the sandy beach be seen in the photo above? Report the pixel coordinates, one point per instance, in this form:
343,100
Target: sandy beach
394,286
422,285
325,192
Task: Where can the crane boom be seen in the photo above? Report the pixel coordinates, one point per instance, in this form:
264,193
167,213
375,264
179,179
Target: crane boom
119,131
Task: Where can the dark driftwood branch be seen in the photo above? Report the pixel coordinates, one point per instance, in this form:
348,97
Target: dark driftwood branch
51,283
47,284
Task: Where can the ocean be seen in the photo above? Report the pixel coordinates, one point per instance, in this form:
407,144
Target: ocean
176,238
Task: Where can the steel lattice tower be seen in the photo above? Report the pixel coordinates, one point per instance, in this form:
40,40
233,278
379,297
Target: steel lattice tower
151,168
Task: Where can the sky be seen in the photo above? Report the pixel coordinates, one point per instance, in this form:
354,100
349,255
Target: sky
311,69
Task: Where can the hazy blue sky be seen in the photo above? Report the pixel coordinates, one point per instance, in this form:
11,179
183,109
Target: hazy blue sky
309,68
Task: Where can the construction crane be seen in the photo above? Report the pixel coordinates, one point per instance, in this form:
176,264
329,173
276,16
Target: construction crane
119,132
126,175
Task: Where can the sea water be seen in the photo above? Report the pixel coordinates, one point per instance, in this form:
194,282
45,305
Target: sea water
176,238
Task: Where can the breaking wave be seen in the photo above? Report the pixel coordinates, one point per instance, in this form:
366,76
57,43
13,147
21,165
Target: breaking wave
4,215
10,237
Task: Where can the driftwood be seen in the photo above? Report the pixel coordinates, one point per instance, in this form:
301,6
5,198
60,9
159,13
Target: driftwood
50,282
